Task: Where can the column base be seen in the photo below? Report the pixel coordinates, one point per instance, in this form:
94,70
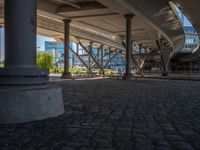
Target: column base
23,76
66,75
19,104
126,76
164,73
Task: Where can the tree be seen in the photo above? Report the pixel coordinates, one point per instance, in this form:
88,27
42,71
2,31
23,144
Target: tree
44,60
2,63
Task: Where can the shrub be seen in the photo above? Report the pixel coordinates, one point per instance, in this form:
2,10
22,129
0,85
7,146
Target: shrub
44,60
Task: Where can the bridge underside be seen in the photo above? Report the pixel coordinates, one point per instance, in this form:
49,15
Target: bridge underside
191,10
113,25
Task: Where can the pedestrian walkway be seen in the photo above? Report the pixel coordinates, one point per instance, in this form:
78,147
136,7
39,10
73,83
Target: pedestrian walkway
115,115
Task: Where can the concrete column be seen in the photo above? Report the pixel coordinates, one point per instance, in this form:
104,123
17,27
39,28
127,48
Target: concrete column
128,44
20,45
66,74
19,104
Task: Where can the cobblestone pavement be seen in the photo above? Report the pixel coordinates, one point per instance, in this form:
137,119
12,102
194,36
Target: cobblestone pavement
115,115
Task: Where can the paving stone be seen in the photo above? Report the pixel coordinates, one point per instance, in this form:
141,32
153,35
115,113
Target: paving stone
115,115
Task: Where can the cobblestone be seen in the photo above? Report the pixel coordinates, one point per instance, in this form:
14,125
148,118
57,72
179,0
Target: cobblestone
115,115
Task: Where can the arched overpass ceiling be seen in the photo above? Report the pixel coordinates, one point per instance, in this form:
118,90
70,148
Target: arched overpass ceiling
105,18
156,13
191,8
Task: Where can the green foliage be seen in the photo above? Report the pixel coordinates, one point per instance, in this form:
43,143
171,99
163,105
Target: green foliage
1,64
60,69
108,71
44,60
77,71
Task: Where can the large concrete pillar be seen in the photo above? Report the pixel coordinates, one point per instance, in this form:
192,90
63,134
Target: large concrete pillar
128,45
20,45
21,101
66,74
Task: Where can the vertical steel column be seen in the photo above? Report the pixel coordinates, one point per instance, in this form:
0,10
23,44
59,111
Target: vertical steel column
145,50
109,53
102,70
191,67
140,48
77,48
97,56
128,44
89,56
132,48
66,73
20,44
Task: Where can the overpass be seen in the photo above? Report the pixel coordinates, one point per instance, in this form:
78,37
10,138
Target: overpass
112,24
103,23
190,9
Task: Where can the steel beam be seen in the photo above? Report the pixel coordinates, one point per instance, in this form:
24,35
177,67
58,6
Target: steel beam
79,58
87,51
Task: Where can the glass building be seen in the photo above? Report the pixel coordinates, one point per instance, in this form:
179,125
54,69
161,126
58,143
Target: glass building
58,50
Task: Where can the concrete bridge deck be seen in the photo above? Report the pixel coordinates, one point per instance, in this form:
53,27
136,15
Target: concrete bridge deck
118,115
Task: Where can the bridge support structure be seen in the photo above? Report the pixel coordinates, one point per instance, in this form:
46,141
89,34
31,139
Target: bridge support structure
24,91
128,45
97,59
66,74
165,56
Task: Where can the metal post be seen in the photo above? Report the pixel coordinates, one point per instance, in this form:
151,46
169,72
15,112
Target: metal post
191,67
128,45
20,45
164,71
98,54
66,74
102,71
89,56
145,50
140,48
77,48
